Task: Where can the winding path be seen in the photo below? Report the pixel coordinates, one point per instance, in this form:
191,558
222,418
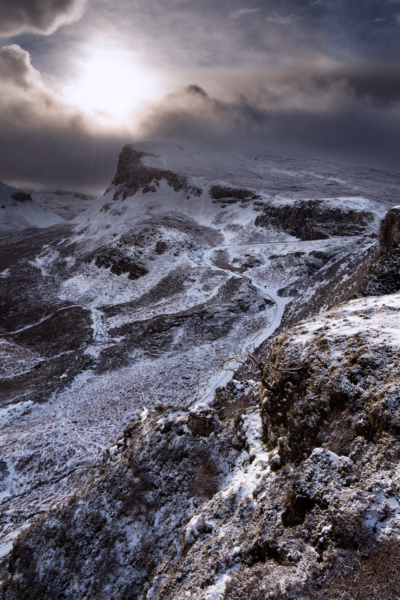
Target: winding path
225,376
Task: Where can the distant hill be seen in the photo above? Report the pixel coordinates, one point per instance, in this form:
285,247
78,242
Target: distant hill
67,205
19,211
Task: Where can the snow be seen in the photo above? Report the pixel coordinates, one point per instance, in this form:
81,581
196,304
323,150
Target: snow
71,431
65,204
17,215
253,463
215,591
354,318
331,456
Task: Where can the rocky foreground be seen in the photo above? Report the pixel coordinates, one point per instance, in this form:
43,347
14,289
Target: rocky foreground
288,493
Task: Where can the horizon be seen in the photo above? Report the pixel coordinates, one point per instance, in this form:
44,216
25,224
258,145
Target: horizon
80,79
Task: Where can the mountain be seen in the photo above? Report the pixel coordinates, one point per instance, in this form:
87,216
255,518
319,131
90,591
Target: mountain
66,204
18,211
139,302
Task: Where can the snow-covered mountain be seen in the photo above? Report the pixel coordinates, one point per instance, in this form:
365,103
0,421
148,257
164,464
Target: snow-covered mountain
65,204
188,257
19,211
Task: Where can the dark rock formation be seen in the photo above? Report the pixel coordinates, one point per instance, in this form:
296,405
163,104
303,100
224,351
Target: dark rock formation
389,234
384,276
314,220
118,263
132,175
21,197
203,420
229,195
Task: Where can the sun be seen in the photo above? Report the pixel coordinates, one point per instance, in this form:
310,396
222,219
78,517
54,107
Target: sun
111,85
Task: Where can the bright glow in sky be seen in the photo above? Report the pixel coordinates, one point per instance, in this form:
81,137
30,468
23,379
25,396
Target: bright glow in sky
111,85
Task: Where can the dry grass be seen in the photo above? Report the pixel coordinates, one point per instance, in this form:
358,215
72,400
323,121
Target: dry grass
239,404
205,482
374,578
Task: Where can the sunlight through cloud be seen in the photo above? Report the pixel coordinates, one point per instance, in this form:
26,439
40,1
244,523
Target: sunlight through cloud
111,85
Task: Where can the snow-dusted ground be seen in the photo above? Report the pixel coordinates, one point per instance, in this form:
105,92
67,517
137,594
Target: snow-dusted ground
19,211
213,505
65,204
210,282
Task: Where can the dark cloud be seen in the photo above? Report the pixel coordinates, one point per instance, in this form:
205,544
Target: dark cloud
378,83
234,33
42,139
328,117
38,16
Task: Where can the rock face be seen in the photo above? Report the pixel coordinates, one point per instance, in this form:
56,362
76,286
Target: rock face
315,220
272,505
203,420
389,234
384,277
132,175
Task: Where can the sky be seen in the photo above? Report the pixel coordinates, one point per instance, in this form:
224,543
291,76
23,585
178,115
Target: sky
80,78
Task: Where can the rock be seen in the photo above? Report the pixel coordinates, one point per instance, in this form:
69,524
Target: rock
319,398
203,420
384,275
315,220
389,234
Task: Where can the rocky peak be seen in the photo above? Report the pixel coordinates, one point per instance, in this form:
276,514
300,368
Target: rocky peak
133,175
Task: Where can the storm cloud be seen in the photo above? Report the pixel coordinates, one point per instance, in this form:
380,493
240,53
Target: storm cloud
342,117
302,76
38,16
43,139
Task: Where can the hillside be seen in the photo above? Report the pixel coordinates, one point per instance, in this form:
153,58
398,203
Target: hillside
67,205
18,211
240,504
188,257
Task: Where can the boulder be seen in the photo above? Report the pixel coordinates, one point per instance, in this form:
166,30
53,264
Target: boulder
203,420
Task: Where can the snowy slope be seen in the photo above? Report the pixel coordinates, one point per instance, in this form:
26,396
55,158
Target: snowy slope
195,504
19,211
67,205
188,256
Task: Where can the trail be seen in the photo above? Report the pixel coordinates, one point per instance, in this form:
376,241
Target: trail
225,376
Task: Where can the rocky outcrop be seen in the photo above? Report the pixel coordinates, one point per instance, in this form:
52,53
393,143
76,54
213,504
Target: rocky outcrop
384,276
315,219
333,387
22,197
203,420
229,195
389,234
118,263
132,175
227,503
